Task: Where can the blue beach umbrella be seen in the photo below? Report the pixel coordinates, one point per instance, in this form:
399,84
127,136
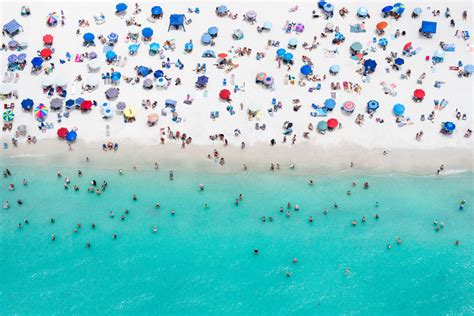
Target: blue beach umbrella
37,62
154,46
417,11
156,10
27,104
188,46
88,37
133,48
79,101
267,25
383,41
203,79
398,109
362,11
144,71
147,32
449,126
439,53
113,37
288,57
280,52
387,9
110,55
328,7
158,74
206,38
373,105
306,70
339,36
213,31
116,76
71,136
469,68
399,61
292,41
221,9
121,7
330,104
12,58
334,69
21,57
370,65
69,103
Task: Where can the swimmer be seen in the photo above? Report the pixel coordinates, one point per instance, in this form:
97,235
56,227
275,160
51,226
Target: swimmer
245,167
241,197
121,172
399,241
366,185
354,184
122,217
59,174
311,182
377,204
19,225
52,220
325,211
11,187
114,236
26,221
79,173
441,224
66,186
157,205
310,219
134,197
288,205
93,182
297,208
270,219
236,201
68,180
264,218
376,216
171,175
172,212
98,192
389,246
255,251
74,230
292,166
288,214
6,205
76,188
457,242
335,205
295,260
364,219
111,214
435,222
93,226
20,202
281,209
53,237
156,166
288,274
88,244
349,192
354,222
201,187
206,206
155,229
25,182
127,211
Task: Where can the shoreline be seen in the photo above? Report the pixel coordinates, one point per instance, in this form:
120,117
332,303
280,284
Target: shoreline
307,158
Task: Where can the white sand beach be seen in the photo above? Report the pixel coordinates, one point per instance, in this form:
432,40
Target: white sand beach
361,143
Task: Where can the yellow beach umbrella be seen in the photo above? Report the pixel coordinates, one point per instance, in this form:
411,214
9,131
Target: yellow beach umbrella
129,112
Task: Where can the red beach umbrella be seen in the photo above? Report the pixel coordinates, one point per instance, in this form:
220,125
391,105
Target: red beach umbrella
86,105
333,123
224,94
407,46
48,39
62,132
419,93
222,55
46,53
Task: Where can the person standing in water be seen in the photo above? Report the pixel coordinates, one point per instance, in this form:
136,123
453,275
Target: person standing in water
171,175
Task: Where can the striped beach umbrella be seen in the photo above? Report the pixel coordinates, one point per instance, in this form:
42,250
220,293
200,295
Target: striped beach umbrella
348,106
8,116
41,111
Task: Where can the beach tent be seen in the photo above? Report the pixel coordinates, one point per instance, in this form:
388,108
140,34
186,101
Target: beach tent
306,70
224,94
147,32
332,123
27,104
398,109
12,28
177,21
120,7
372,105
330,104
62,132
48,39
156,12
71,136
428,28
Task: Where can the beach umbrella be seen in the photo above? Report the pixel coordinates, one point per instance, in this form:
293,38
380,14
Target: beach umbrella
288,57
94,64
12,44
107,112
328,7
292,41
41,111
206,38
339,36
209,54
147,32
21,57
203,80
161,82
260,76
306,70
159,73
71,136
69,103
299,28
27,104
419,93
45,53
381,25
110,55
387,9
144,71
88,37
222,55
93,55
383,41
362,11
224,94
152,118
52,19
348,106
79,101
334,69
329,104
62,132
356,46
398,109
48,39
417,11
407,46
154,46
116,76
213,31
113,37
12,58
111,93
399,61
129,112
120,106
398,8
449,126
280,52
332,123
268,81
156,10
370,65
439,53
46,81
222,9
267,25
56,104
8,116
147,83
251,15
469,68
133,48
322,126
86,105
373,105
121,7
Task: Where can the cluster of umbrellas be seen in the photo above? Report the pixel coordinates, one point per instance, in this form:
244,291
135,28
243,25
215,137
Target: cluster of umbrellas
330,124
64,133
284,55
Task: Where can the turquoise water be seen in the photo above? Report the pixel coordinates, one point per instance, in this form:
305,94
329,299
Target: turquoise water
202,261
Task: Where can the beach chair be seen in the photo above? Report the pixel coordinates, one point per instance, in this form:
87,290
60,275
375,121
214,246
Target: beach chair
319,112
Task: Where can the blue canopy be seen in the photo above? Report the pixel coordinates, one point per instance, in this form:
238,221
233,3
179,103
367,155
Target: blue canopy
154,46
383,41
306,70
449,126
176,20
288,56
399,61
79,101
203,79
213,31
21,57
280,52
133,48
221,9
373,105
70,103
110,55
334,68
206,38
370,65
113,37
330,104
328,7
144,71
27,104
387,9
37,62
88,37
428,27
469,68
398,109
71,136
147,32
116,76
399,8
156,10
12,27
12,58
158,73
362,11
121,7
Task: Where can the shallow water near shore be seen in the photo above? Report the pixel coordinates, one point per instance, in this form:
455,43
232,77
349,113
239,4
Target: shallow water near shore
201,259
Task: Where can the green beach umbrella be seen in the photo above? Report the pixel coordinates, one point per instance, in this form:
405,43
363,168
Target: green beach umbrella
322,126
8,115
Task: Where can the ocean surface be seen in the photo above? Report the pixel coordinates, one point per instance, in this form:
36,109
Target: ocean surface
202,260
